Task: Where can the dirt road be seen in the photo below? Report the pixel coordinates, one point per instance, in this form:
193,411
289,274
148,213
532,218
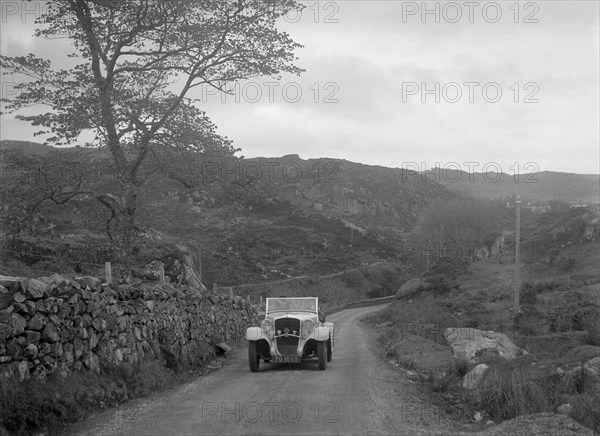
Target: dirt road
357,394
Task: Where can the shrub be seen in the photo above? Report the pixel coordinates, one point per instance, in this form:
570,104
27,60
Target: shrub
505,394
407,363
529,293
580,315
442,384
461,366
566,264
586,411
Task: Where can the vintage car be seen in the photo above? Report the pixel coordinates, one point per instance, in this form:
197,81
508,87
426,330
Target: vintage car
293,329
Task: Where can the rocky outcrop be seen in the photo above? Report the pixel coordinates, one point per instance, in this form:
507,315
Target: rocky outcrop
57,324
466,342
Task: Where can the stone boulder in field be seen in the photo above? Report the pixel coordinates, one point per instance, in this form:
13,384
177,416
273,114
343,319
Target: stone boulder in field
466,342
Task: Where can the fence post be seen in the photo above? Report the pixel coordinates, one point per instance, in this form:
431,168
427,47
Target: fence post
230,292
161,272
261,300
108,272
248,297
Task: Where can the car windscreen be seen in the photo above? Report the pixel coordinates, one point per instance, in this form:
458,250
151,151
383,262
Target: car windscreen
292,305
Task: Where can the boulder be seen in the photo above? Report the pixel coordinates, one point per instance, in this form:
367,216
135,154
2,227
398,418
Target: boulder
50,333
19,297
13,349
5,298
36,289
472,379
13,284
57,284
92,362
32,336
31,307
410,287
37,322
5,331
30,351
18,324
20,308
466,342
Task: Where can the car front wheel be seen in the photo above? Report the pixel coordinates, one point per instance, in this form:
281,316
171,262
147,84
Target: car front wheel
322,352
253,357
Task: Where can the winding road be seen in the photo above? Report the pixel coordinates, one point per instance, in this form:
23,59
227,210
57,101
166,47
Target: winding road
359,393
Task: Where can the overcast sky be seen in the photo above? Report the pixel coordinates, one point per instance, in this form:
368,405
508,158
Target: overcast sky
369,63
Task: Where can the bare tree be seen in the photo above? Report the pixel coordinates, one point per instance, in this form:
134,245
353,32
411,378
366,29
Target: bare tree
139,61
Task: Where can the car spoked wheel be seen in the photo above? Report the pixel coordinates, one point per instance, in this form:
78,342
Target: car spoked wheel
322,352
329,350
253,357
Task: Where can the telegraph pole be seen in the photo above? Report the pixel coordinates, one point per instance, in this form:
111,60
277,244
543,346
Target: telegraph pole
200,263
517,249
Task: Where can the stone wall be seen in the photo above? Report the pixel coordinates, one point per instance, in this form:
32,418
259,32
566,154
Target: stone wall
56,324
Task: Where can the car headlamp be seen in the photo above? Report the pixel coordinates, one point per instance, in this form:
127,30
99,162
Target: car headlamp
266,326
307,327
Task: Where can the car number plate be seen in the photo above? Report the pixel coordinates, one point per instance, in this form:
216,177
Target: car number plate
286,359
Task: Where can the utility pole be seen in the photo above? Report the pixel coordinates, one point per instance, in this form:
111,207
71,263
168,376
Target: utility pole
517,249
200,263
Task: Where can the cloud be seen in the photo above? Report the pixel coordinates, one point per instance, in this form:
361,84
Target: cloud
362,63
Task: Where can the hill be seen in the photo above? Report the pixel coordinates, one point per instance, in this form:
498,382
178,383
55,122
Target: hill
532,187
247,221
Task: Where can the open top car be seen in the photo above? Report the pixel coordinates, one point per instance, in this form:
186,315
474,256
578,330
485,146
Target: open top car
293,329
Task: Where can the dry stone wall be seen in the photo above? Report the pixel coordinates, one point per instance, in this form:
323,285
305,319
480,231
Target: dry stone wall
54,324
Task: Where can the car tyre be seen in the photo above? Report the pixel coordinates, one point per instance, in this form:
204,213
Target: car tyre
253,357
322,352
329,354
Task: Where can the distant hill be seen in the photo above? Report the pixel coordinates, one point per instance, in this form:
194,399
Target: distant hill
297,217
533,187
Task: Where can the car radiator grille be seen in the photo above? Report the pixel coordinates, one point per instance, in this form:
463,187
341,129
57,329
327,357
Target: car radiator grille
287,345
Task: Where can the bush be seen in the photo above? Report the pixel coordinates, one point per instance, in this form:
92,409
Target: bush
505,394
529,294
580,315
407,363
461,366
586,411
442,274
566,264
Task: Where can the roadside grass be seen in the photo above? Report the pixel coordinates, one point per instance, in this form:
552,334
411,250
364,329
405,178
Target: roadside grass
509,390
33,406
558,326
